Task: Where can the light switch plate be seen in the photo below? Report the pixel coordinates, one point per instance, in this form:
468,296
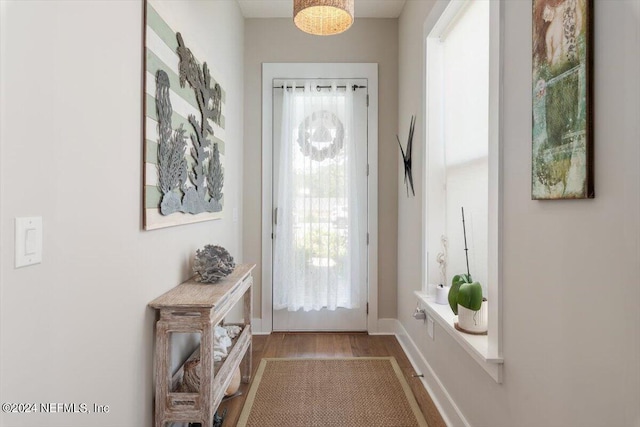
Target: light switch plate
430,327
28,241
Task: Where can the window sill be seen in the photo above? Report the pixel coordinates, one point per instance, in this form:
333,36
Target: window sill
476,345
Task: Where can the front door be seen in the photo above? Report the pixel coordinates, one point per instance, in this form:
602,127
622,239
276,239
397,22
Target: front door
320,206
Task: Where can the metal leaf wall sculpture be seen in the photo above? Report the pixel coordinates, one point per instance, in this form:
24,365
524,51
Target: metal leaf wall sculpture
215,178
205,175
172,165
200,80
190,72
194,199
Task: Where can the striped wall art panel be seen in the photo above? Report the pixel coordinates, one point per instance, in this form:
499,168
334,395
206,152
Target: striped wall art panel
183,160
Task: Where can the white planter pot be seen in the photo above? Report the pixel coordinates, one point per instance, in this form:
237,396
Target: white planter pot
474,321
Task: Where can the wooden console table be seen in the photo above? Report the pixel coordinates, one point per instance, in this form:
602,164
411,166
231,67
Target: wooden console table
193,307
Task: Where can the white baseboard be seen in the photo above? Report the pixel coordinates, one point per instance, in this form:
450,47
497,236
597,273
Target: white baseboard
256,327
450,412
386,327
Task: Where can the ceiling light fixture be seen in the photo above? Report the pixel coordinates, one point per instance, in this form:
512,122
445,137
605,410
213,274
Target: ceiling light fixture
323,17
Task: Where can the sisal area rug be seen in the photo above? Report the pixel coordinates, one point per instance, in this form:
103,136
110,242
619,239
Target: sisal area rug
345,392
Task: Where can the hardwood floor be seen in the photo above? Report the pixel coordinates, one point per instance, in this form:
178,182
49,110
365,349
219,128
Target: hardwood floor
332,345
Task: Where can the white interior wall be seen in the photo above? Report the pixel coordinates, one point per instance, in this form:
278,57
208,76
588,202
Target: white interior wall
571,315
77,328
368,40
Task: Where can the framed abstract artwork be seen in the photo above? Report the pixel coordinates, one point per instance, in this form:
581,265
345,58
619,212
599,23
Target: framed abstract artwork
183,127
562,134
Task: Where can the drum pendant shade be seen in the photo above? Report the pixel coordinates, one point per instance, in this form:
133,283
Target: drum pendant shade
323,17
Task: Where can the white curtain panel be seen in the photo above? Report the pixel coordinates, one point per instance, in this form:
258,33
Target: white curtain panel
317,252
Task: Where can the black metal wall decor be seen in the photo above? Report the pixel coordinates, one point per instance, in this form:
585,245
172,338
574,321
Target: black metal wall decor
184,175
406,157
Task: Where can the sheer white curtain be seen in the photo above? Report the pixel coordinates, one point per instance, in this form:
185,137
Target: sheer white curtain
317,249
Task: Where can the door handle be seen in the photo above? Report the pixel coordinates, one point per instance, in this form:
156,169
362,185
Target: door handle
275,216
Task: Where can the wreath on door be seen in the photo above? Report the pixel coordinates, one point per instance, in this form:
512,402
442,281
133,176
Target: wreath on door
321,135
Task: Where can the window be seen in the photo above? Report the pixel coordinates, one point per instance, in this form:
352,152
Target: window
463,162
458,72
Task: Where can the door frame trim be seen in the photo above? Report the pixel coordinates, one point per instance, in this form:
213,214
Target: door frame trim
271,71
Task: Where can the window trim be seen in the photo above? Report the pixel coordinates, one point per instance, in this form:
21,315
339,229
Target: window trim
486,350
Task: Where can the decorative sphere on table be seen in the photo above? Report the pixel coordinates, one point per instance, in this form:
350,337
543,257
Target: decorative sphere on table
212,263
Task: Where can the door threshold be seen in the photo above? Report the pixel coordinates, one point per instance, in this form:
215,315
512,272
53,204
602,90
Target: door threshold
323,332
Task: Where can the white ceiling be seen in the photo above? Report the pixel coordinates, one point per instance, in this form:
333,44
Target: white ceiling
284,8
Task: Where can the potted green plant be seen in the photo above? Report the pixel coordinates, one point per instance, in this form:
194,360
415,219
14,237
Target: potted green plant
466,300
